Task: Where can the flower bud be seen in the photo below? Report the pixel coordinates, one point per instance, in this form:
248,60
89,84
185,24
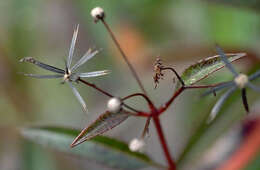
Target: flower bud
241,80
97,13
114,105
136,145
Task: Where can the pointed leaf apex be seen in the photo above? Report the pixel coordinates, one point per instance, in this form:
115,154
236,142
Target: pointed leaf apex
104,123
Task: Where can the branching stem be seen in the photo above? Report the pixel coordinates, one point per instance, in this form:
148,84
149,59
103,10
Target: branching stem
175,72
150,103
179,91
137,112
154,112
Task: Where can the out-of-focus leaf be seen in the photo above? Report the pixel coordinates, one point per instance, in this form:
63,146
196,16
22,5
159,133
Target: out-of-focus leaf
255,164
240,3
221,17
34,157
104,123
205,67
108,151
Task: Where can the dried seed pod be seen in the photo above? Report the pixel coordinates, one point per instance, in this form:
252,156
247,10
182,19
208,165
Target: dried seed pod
157,71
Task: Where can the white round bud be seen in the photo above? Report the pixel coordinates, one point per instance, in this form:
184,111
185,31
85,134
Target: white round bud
241,80
97,13
114,105
136,145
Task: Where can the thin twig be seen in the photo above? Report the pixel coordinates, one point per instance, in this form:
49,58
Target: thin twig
109,95
151,105
202,86
175,72
95,87
124,56
146,127
179,91
139,114
131,108
169,102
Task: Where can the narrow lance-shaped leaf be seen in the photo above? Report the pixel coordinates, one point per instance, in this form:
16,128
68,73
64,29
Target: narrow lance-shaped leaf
72,47
104,123
225,60
254,87
42,65
255,75
219,103
78,96
220,87
89,54
104,150
94,73
205,67
44,76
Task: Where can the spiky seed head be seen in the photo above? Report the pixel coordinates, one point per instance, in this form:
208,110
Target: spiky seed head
67,76
136,145
114,105
97,13
241,80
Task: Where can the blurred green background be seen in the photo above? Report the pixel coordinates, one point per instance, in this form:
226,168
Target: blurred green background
181,32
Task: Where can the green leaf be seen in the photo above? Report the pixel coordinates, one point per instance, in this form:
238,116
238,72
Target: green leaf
104,123
105,150
205,67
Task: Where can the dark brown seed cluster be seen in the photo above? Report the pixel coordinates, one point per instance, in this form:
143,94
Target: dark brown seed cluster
157,71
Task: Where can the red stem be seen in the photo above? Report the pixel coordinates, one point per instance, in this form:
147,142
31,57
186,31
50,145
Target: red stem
179,91
154,111
95,87
139,114
167,104
151,105
202,86
163,143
